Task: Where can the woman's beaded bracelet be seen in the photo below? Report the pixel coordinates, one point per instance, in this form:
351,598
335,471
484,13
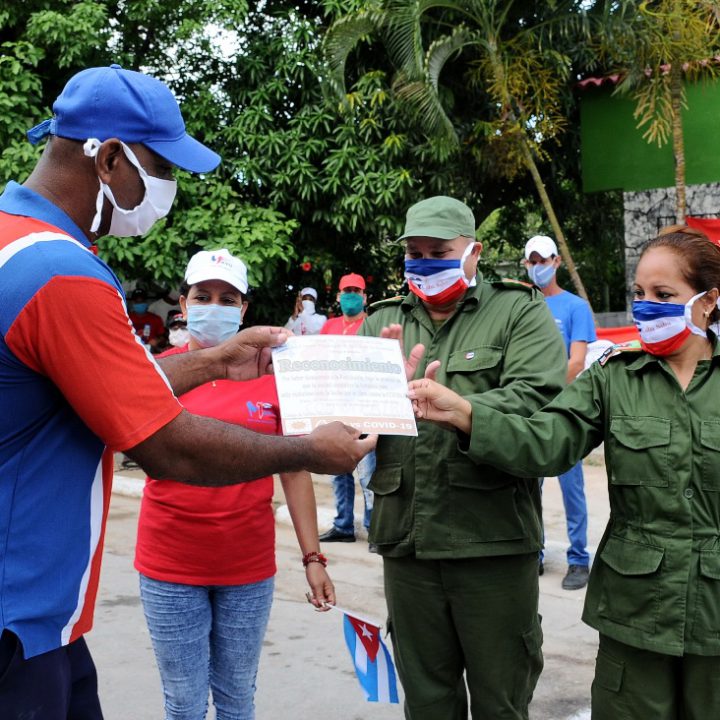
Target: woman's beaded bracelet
314,557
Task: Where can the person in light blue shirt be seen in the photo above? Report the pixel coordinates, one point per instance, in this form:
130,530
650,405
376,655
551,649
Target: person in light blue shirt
574,320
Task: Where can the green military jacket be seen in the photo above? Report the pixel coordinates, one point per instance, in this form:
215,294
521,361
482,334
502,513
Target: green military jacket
655,582
431,499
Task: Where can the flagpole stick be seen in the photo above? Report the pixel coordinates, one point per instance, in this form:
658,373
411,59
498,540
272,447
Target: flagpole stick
352,613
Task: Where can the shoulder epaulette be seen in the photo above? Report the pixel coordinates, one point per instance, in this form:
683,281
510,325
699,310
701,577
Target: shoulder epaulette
511,283
623,348
388,302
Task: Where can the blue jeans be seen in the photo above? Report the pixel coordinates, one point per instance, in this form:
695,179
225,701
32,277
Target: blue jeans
344,489
572,485
207,637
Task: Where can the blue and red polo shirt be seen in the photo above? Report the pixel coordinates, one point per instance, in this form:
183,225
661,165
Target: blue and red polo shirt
74,380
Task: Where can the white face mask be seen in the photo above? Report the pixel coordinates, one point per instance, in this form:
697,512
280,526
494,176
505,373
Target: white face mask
179,337
308,307
156,204
212,324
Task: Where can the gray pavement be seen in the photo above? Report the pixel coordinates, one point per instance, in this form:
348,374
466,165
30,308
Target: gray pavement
305,668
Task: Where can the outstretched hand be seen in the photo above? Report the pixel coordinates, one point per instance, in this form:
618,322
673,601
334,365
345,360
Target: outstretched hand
433,401
336,448
394,332
248,354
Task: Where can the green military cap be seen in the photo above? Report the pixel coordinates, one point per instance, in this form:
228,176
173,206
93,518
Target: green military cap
439,217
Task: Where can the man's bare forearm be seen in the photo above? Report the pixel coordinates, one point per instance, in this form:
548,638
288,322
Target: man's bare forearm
186,371
203,451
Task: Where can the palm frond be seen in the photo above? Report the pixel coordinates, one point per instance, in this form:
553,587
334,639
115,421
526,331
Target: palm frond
340,40
403,31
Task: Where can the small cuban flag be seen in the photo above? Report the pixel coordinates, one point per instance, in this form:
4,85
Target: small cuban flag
373,663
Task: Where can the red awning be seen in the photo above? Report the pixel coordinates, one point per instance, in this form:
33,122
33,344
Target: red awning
598,81
618,334
710,226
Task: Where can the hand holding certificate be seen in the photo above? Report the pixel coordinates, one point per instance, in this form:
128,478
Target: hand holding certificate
357,380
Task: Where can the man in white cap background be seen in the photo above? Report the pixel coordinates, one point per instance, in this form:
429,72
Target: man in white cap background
304,320
77,383
178,335
574,320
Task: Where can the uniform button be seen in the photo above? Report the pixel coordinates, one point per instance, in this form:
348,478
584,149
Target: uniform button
688,493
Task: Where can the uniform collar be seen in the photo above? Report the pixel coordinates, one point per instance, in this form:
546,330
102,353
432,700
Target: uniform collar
469,300
646,358
19,200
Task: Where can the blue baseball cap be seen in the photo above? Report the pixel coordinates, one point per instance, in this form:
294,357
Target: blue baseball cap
110,102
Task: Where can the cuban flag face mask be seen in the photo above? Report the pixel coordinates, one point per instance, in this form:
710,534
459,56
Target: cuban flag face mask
438,282
664,326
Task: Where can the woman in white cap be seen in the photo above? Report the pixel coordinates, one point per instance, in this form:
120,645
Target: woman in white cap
304,320
206,555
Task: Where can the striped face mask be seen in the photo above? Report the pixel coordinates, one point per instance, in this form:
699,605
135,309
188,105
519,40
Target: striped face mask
438,282
664,327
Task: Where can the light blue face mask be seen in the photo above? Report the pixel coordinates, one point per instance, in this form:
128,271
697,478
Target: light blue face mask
210,325
541,275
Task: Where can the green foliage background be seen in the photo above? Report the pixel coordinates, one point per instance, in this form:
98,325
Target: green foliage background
305,182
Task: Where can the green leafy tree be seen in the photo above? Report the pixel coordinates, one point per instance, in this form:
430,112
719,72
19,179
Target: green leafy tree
44,43
657,47
511,59
346,174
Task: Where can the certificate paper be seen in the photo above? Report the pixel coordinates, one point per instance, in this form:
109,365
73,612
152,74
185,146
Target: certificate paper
357,380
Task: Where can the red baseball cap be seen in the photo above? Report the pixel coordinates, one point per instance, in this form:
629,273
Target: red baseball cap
352,280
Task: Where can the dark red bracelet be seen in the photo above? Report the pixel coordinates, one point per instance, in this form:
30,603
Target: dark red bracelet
314,557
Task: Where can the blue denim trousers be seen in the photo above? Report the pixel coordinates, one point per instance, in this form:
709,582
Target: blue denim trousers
207,637
344,490
572,485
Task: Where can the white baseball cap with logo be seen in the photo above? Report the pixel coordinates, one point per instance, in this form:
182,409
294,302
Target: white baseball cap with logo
544,246
217,265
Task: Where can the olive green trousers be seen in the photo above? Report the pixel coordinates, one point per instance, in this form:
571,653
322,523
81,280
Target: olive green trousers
634,684
471,620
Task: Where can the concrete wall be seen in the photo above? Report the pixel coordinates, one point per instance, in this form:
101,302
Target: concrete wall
646,211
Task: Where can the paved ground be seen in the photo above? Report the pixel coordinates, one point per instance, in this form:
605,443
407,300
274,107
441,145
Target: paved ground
305,669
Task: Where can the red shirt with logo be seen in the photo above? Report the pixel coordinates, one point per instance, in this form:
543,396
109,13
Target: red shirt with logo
213,536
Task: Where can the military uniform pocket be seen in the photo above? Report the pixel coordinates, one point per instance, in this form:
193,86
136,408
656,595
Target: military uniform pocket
706,622
710,440
478,514
608,702
474,370
392,505
639,451
529,665
630,580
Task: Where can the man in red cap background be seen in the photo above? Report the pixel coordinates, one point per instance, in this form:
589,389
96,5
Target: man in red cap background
352,301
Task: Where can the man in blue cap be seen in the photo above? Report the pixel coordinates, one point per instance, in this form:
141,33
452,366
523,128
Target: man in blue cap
76,383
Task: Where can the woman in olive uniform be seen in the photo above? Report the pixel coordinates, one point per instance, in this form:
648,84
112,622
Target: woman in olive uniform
654,591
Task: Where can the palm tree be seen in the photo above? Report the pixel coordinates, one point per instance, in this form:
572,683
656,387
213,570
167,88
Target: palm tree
511,57
657,47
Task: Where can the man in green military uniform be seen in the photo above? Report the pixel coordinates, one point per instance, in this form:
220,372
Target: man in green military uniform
459,540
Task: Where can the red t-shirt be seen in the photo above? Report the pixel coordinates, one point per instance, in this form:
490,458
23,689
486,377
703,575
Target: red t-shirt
151,321
341,326
213,536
